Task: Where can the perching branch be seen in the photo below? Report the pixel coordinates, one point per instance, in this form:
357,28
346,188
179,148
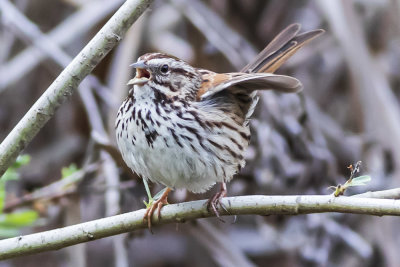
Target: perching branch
178,213
62,88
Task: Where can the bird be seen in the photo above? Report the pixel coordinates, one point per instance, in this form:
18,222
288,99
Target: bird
188,127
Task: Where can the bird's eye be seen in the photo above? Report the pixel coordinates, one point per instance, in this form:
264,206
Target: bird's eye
164,68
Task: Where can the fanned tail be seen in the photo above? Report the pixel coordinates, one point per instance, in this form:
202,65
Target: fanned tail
280,49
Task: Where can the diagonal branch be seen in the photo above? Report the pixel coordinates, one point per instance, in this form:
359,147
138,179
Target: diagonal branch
62,88
179,213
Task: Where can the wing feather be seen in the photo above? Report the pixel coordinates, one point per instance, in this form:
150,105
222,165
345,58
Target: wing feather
250,82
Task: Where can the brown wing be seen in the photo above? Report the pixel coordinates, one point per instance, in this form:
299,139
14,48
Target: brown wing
214,83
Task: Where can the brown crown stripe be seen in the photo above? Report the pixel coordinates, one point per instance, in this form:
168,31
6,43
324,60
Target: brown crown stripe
151,56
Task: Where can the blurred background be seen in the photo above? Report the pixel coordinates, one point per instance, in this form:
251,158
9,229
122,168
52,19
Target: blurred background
301,144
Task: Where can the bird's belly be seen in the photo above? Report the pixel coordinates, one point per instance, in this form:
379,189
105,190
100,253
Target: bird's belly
170,164
179,167
179,152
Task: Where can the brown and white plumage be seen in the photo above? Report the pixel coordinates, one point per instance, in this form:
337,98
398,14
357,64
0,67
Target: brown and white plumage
186,127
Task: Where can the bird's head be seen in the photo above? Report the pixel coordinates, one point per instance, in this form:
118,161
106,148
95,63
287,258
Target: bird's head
167,74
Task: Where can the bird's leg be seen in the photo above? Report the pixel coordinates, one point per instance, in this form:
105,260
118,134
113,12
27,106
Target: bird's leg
215,200
156,204
146,186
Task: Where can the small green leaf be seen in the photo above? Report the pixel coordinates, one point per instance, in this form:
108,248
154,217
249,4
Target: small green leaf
67,171
22,161
18,219
10,174
360,180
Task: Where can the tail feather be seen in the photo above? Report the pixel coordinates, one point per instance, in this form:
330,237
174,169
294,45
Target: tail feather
281,48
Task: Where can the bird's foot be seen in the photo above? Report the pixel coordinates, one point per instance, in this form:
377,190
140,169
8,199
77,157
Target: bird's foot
215,200
155,204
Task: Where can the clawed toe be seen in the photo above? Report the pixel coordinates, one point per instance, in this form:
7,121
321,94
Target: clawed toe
215,200
156,206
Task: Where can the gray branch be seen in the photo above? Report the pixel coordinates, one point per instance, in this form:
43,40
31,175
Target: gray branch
62,88
179,213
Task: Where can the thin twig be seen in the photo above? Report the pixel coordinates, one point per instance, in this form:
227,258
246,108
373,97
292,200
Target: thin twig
43,194
57,189
388,194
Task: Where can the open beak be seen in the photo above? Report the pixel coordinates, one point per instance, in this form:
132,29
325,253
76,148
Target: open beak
142,74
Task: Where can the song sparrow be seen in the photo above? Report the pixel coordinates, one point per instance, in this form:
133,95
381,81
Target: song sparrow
186,127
